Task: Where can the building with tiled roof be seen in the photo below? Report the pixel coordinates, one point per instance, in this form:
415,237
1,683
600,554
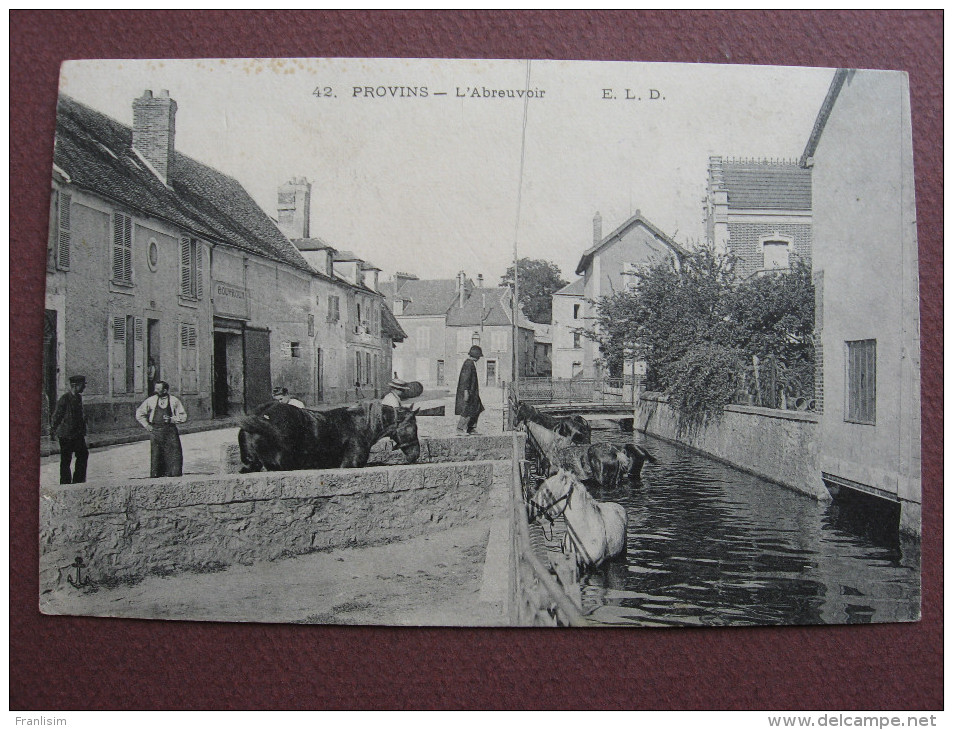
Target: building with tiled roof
161,267
759,210
443,318
606,267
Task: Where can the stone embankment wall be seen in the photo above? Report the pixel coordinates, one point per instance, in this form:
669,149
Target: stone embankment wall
777,445
126,530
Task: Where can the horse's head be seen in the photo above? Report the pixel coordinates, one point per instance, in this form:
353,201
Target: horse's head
520,414
553,496
405,434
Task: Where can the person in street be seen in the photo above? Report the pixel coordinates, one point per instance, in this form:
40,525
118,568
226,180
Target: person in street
283,396
152,374
69,427
468,404
159,415
395,396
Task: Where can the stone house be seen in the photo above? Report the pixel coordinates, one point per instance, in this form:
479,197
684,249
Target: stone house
759,210
569,314
354,357
608,266
866,288
443,318
160,267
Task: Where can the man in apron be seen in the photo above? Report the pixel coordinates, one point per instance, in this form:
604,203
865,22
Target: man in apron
159,415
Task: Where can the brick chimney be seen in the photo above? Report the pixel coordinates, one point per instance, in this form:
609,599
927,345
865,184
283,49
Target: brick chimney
461,287
480,280
153,131
294,208
597,229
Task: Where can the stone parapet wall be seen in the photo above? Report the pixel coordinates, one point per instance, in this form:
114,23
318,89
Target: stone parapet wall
126,530
774,444
432,451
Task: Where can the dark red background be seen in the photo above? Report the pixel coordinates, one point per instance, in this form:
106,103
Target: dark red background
86,663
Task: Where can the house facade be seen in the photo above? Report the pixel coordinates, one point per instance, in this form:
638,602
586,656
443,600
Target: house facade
609,266
444,318
759,210
867,316
160,267
569,315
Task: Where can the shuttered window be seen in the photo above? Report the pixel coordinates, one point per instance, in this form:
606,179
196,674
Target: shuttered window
189,358
126,354
122,249
58,250
191,268
862,382
334,308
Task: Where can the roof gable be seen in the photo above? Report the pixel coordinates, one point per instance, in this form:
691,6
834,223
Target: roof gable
483,306
573,289
424,296
96,152
637,220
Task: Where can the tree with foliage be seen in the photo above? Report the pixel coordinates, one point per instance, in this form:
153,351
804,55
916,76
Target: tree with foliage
538,280
697,329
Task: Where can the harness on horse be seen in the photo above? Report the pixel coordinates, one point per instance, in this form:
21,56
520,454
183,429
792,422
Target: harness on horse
570,532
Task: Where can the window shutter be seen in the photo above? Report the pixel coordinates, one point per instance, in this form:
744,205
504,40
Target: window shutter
199,256
118,355
186,246
63,238
122,248
139,356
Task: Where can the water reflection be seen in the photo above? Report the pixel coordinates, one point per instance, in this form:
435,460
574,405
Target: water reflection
711,546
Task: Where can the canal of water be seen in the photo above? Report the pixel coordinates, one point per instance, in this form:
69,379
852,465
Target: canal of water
709,545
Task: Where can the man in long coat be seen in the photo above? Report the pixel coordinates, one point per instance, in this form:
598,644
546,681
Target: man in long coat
69,427
468,405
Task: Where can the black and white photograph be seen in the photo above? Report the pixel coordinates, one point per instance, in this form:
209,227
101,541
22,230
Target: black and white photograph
422,342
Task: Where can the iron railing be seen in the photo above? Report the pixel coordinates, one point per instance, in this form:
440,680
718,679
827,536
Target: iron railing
540,599
575,391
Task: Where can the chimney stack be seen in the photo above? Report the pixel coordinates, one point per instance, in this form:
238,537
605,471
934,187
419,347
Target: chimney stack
153,131
597,229
460,278
480,280
294,208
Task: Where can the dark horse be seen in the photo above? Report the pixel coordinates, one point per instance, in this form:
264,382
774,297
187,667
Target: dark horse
282,437
575,428
607,465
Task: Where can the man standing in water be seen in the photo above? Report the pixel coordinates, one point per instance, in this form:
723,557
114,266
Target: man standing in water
159,415
69,427
468,404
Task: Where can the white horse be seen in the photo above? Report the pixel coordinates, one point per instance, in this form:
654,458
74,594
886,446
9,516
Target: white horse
595,531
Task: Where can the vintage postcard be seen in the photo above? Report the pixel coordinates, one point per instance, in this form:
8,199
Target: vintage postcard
481,343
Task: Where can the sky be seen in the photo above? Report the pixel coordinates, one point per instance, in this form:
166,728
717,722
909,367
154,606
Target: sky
431,184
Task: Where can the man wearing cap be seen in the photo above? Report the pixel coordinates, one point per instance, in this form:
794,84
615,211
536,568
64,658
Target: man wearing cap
394,397
159,415
69,427
468,405
283,396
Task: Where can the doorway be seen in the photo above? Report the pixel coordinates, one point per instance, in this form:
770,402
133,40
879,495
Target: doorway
220,375
153,366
